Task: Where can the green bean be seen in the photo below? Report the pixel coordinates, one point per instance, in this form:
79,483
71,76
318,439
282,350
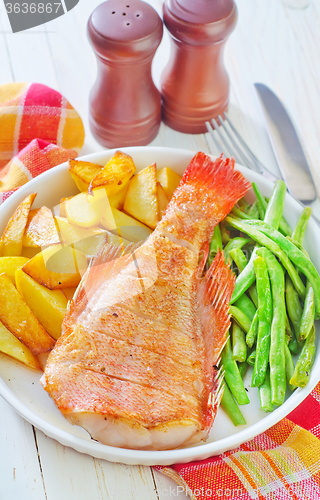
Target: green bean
299,230
243,367
215,244
240,318
308,313
240,213
244,204
243,284
239,258
232,375
225,236
265,394
284,228
235,243
289,334
278,325
265,318
293,305
261,202
298,258
246,306
251,358
231,408
305,361
253,331
294,345
289,366
239,347
253,212
275,206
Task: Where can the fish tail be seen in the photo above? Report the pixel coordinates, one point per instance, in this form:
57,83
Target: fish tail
207,192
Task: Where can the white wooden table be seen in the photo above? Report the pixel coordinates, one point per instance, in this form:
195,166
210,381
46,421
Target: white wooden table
272,44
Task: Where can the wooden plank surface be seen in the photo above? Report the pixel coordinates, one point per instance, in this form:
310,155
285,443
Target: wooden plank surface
272,44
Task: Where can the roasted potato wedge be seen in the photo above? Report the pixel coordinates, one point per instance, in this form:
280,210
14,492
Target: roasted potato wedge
86,240
18,318
162,200
117,200
62,211
142,201
82,172
85,210
9,265
125,226
169,180
12,236
48,306
40,229
10,345
57,267
115,174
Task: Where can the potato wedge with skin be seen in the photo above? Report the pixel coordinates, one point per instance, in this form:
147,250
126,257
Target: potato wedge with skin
162,200
48,306
9,265
40,229
169,180
18,318
142,201
86,240
125,226
57,267
12,236
82,172
115,174
10,345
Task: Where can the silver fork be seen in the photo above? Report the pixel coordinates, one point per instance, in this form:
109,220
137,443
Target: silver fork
227,138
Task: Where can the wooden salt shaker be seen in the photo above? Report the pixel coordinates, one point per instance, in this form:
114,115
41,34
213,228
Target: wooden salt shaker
125,105
195,84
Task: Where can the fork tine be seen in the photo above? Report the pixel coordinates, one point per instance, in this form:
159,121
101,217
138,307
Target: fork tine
241,155
221,137
255,160
213,137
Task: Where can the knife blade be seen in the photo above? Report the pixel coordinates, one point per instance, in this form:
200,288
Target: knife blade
287,147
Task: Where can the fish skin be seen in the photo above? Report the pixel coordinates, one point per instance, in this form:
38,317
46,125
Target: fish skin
135,365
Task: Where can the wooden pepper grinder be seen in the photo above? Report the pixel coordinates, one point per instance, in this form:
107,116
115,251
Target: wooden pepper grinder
195,84
125,105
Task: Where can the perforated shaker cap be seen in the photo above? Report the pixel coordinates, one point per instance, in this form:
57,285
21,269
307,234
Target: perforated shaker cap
125,20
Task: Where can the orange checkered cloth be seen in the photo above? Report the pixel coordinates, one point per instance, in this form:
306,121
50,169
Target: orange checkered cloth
38,157
283,463
34,111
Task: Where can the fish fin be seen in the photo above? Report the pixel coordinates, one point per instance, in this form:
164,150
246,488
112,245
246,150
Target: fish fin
214,294
218,285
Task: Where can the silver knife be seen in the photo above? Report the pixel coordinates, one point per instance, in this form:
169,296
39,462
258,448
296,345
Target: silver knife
287,148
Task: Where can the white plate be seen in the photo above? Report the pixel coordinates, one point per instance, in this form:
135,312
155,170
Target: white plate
20,386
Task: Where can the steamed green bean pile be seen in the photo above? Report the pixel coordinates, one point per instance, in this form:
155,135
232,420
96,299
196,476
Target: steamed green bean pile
274,305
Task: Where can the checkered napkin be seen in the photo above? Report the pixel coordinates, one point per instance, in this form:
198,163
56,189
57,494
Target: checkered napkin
34,111
38,157
283,463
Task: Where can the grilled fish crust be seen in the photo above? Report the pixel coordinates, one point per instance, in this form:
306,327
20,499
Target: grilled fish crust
135,365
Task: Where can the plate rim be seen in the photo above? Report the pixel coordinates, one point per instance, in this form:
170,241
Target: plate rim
147,457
